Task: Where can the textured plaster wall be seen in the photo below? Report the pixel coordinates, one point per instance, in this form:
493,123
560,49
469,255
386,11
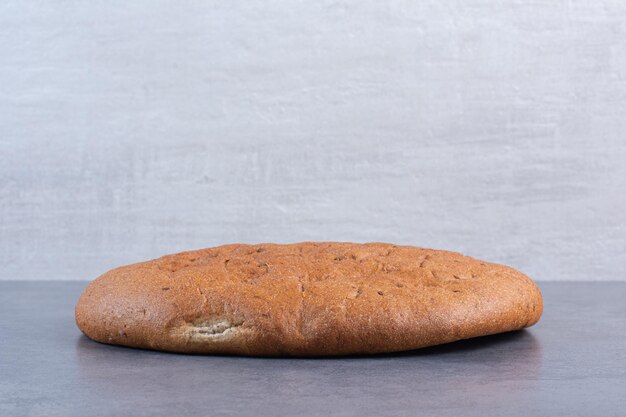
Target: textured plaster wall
132,129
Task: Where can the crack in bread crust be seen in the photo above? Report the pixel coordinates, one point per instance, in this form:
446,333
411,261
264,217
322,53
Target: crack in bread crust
208,329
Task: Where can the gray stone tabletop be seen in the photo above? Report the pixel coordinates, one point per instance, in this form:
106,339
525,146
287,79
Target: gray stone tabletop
572,363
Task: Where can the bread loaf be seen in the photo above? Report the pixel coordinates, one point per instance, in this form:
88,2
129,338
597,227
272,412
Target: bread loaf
305,299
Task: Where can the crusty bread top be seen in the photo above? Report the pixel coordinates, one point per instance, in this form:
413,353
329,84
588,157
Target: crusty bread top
306,299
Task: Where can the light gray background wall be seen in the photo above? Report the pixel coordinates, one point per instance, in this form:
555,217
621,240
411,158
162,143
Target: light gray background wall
133,129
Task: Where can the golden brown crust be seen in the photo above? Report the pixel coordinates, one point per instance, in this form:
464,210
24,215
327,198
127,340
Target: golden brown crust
306,299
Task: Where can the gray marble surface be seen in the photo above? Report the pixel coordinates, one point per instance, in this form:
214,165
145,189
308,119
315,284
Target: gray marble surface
491,128
572,363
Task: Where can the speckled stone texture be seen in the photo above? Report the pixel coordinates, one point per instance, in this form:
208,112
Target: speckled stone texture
495,129
306,299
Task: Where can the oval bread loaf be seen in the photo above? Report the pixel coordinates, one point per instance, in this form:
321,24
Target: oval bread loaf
305,299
